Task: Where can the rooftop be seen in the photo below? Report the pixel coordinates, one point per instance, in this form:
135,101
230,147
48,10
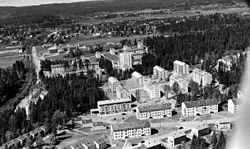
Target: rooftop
107,102
177,134
179,63
158,68
199,71
236,101
131,125
111,57
201,102
201,127
155,107
112,80
137,74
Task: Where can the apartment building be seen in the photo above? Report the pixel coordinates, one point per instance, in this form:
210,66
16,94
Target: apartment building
181,68
176,138
234,106
57,69
223,125
113,83
137,78
182,81
125,60
155,111
153,90
112,106
201,77
199,131
130,130
160,73
199,107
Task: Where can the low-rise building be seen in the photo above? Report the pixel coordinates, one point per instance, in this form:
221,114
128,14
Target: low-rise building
155,111
57,69
199,107
130,130
199,131
234,106
223,125
114,106
176,138
201,77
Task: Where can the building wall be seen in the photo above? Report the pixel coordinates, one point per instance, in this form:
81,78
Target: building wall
223,126
126,60
181,69
193,111
114,108
130,133
153,114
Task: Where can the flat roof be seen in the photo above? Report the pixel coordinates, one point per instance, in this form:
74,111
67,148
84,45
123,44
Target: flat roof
131,125
179,63
137,74
201,102
177,134
201,127
155,107
158,68
117,101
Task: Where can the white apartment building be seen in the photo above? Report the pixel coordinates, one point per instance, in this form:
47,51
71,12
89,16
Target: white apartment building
153,90
181,68
130,130
181,80
137,78
199,76
199,107
126,60
113,83
176,137
57,69
234,106
155,111
223,125
112,106
160,73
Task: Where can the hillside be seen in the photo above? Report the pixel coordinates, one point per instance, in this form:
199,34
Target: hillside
89,7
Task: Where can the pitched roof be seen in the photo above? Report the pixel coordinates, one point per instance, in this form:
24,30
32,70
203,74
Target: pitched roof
155,107
111,57
202,102
136,74
179,62
131,125
236,101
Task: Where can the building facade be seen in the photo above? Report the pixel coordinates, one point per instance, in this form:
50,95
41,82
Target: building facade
114,106
223,125
181,68
234,106
137,78
125,60
201,77
160,73
153,90
156,111
199,107
130,130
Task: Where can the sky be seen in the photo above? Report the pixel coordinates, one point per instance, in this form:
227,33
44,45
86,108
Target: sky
34,2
